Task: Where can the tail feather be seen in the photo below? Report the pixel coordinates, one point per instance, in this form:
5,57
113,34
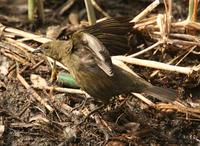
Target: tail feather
165,95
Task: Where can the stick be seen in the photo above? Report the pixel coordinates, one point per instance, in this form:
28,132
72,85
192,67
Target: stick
33,93
65,90
90,12
100,9
157,65
144,99
146,11
146,50
18,32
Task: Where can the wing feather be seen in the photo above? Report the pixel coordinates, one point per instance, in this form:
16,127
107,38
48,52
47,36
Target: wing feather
101,54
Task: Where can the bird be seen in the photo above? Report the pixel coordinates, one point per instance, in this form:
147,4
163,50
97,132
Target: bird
89,62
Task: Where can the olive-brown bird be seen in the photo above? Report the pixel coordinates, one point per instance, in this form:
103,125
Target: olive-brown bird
90,64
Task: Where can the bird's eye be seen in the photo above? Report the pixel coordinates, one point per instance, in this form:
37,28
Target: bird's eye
45,47
84,41
72,49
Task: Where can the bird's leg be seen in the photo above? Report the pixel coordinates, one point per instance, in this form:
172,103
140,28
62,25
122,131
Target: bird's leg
53,72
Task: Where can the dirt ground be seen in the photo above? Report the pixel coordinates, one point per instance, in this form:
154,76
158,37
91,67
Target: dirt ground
126,121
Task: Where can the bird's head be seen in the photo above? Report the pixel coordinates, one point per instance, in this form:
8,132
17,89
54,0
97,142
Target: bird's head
56,49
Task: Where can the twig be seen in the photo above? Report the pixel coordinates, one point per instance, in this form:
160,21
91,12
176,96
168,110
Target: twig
17,43
100,9
31,8
143,23
9,113
192,13
196,52
25,107
170,62
146,11
193,111
57,63
122,65
144,99
168,10
13,56
36,65
34,93
184,37
157,65
21,33
146,50
162,24
65,90
90,12
182,42
185,23
22,125
186,54
40,9
68,4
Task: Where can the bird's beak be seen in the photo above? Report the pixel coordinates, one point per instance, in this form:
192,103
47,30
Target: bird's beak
37,50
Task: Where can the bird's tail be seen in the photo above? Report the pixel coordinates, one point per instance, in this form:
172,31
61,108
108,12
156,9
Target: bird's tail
165,95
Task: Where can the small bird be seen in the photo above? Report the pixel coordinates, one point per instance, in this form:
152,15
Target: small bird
89,62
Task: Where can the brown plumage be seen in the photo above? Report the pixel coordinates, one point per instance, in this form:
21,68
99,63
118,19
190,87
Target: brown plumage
90,64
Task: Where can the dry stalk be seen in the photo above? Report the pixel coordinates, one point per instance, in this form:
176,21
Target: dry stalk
157,65
17,32
187,110
67,5
170,62
144,99
33,93
19,44
146,50
13,56
168,12
100,9
65,90
146,11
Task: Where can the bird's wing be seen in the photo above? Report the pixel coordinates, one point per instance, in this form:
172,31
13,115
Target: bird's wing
99,51
115,29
